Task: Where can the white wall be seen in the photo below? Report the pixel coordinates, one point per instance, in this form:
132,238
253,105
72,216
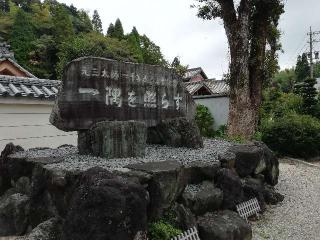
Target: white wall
28,125
218,107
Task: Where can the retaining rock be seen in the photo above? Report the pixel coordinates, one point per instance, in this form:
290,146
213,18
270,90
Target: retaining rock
230,183
166,185
106,207
225,225
14,210
202,198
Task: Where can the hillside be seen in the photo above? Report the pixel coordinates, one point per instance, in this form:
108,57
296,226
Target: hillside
46,35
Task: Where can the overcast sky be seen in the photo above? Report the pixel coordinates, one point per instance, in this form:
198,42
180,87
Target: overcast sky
173,25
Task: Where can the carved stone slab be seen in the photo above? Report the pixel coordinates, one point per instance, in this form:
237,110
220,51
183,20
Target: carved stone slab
99,89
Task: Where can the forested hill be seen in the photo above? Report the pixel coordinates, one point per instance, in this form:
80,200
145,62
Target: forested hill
46,35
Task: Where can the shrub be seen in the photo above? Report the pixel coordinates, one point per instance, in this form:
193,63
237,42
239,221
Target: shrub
162,230
294,135
204,121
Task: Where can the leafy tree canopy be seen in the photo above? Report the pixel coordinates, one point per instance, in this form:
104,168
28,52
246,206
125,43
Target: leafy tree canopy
45,35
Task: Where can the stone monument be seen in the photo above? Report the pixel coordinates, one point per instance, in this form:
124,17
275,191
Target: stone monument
117,106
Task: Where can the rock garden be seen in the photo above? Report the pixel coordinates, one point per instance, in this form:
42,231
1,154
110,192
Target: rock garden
141,169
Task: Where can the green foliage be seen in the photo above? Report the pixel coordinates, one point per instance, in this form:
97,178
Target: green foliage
162,230
302,68
45,35
221,132
179,68
62,25
4,6
22,36
309,95
277,104
284,80
94,44
151,52
204,121
110,31
294,135
118,30
96,22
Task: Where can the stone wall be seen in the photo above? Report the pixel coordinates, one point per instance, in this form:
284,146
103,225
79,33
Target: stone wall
42,196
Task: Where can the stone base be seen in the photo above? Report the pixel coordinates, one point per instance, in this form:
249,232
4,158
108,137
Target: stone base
114,139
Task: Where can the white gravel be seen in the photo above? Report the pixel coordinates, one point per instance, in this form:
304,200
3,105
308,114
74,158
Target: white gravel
73,161
298,216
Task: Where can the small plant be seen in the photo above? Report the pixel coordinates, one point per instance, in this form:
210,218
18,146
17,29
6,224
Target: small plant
204,121
162,230
221,132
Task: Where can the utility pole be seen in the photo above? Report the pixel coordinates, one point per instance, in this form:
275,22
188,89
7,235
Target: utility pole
311,41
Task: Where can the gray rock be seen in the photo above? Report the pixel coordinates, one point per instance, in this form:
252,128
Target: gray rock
14,212
184,217
166,185
114,139
106,207
227,159
254,188
271,171
177,132
225,225
271,196
230,183
23,185
254,159
199,171
202,198
48,230
248,159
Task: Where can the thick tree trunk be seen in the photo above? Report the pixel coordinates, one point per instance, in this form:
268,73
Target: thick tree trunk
243,113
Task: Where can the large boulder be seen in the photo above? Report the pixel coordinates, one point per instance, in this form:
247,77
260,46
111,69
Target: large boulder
185,219
176,132
254,159
165,186
225,225
106,207
48,230
231,185
199,171
202,198
14,212
271,172
5,166
248,158
254,188
118,139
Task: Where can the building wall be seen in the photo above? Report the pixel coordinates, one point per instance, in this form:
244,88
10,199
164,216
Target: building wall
28,125
218,107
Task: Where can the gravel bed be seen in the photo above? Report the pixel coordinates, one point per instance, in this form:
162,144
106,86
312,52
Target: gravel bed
298,216
73,161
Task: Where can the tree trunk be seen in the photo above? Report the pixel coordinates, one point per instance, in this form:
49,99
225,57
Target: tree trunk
243,113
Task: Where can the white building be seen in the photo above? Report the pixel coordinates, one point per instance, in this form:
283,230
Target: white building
211,93
25,107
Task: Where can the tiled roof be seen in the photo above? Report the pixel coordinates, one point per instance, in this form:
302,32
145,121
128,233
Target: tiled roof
192,72
216,87
33,88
